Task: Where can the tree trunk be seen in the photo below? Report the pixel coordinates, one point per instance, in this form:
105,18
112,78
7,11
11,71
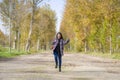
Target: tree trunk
117,48
110,44
10,10
85,40
110,39
30,32
15,40
10,39
85,46
18,41
102,48
15,43
38,44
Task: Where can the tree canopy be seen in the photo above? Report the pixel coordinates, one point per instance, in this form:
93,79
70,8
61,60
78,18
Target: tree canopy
92,25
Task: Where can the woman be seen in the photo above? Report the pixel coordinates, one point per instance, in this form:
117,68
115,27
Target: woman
58,47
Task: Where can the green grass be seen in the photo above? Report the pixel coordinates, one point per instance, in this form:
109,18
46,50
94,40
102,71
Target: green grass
13,53
98,54
4,53
105,55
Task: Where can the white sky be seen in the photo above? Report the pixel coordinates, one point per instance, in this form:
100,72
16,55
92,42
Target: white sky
58,6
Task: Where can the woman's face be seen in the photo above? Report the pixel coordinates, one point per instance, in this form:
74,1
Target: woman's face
58,36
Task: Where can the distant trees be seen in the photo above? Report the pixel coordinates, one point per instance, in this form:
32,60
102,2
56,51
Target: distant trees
30,24
3,38
93,25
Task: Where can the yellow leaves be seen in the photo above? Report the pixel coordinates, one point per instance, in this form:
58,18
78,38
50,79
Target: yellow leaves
84,20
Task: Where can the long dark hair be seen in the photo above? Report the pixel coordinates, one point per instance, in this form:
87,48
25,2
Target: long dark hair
60,34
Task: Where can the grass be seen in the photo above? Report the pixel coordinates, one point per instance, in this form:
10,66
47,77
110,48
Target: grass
99,54
13,53
4,53
105,55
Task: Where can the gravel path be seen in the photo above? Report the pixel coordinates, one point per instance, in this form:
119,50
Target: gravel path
75,67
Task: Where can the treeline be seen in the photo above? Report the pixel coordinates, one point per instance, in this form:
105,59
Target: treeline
31,26
92,25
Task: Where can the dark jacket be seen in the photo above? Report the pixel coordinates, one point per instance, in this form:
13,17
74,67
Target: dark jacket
62,43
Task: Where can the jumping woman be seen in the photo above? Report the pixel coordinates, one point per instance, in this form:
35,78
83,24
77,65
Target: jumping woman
58,47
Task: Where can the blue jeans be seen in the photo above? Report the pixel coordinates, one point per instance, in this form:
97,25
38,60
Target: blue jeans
58,58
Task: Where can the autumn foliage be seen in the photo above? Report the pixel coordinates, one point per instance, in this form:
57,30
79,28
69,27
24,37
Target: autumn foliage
92,25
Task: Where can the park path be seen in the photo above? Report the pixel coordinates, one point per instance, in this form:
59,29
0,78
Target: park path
75,67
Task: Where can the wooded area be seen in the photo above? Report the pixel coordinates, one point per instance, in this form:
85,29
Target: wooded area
92,25
30,25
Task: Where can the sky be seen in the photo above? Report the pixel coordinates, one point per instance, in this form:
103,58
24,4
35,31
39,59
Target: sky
56,5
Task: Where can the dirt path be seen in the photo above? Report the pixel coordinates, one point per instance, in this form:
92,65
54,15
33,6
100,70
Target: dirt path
75,67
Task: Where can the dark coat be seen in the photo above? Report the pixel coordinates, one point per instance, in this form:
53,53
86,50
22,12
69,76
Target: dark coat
62,43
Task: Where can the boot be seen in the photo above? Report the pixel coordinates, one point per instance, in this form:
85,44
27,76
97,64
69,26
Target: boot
59,69
55,66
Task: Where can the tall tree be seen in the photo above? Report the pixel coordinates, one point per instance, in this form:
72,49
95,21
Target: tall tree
33,8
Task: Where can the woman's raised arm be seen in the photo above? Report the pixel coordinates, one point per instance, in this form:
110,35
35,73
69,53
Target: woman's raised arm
67,41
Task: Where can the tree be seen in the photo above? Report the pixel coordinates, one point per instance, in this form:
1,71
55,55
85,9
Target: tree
44,24
33,7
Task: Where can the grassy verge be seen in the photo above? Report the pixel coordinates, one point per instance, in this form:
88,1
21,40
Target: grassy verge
4,53
99,54
106,55
12,54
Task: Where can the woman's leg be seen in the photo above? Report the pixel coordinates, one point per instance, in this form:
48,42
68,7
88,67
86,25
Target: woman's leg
60,61
56,59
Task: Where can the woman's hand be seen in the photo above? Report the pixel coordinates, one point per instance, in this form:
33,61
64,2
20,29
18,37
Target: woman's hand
52,47
68,40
